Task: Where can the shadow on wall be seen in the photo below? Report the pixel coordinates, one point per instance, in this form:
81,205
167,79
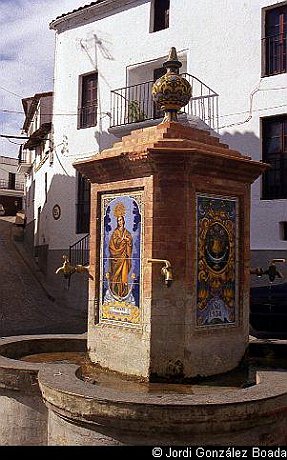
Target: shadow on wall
105,140
246,143
55,231
249,144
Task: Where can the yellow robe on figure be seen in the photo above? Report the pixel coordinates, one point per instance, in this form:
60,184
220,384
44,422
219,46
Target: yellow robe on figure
120,247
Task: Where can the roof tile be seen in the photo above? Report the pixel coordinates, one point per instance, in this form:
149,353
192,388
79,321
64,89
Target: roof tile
79,9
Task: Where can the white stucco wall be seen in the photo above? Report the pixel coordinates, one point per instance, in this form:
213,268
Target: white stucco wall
221,42
9,165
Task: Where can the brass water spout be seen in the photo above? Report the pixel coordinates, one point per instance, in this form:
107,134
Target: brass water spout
272,272
166,270
68,269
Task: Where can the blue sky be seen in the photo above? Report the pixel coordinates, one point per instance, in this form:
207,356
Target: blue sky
26,57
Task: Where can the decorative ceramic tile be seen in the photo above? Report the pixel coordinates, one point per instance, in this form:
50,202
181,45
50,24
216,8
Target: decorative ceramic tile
217,223
121,235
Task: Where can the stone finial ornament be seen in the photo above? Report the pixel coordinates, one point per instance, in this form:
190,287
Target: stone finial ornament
171,92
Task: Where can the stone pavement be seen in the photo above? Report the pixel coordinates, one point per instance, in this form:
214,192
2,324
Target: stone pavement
25,305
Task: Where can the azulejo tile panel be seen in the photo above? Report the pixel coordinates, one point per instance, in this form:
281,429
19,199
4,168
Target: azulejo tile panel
121,249
217,241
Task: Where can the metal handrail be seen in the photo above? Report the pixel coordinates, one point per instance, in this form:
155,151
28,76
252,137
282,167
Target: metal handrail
134,103
79,251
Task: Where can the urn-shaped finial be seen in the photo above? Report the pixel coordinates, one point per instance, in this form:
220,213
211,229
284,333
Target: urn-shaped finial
171,92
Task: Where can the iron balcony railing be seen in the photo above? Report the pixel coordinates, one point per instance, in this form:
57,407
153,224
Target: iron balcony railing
79,251
274,52
11,185
134,104
87,116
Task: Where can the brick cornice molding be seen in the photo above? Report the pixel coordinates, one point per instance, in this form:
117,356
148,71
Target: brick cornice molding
167,148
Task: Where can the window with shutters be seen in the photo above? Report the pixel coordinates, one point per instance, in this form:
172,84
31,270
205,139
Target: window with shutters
83,205
275,41
87,112
274,152
160,14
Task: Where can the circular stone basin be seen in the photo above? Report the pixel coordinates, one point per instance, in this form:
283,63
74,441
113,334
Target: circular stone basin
23,415
90,406
91,373
261,357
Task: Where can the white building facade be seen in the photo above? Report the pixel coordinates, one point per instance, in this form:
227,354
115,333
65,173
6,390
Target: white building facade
34,161
11,186
107,55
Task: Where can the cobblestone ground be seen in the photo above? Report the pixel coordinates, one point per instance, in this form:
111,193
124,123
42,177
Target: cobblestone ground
24,305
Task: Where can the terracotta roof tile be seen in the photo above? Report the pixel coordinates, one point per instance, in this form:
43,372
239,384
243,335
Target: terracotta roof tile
79,9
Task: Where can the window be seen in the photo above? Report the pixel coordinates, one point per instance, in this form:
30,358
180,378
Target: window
274,152
160,14
46,187
275,41
283,231
33,186
83,205
87,111
12,181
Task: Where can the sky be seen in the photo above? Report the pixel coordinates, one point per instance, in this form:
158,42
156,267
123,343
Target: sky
26,58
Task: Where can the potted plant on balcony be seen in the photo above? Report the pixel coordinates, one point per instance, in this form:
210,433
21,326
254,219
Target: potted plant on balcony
135,114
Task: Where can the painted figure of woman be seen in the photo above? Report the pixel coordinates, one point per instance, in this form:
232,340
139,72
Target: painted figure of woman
120,247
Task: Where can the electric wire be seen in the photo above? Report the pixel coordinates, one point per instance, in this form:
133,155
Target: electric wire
253,92
16,143
250,112
55,151
10,92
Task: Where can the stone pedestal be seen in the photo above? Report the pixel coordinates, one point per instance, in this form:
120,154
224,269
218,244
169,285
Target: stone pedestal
169,192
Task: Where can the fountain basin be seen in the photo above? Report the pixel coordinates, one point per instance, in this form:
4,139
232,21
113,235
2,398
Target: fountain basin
46,399
81,413
23,415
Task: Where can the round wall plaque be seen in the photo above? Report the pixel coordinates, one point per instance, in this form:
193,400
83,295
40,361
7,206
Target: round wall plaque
56,212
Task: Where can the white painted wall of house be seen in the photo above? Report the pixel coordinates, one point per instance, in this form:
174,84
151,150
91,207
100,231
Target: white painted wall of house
221,42
9,165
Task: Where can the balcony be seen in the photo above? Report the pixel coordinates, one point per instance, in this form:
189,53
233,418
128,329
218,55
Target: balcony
11,185
133,107
274,52
24,161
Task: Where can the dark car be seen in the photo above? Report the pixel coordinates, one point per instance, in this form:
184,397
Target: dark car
268,309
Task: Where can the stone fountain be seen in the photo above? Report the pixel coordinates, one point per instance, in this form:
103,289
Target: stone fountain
169,193
168,296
